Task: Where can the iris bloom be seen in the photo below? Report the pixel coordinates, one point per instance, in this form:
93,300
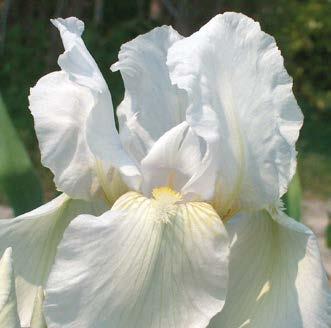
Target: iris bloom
175,221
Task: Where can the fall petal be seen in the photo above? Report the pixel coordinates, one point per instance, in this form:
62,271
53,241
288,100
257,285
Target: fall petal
145,263
34,238
276,275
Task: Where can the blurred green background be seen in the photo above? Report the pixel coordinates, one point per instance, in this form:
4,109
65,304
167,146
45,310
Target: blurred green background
30,45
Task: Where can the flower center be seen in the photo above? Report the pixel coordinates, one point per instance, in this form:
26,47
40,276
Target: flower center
165,203
166,195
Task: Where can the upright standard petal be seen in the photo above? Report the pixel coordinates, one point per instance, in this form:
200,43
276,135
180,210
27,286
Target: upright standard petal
8,305
179,159
241,103
34,238
147,263
152,105
101,134
276,275
74,119
173,159
76,60
60,108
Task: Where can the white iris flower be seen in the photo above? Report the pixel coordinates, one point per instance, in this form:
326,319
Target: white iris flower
175,221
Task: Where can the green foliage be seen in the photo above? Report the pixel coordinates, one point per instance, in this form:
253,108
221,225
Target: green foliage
292,198
303,32
18,179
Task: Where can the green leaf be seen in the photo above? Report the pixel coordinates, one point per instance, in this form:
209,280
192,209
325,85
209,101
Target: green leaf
18,179
292,198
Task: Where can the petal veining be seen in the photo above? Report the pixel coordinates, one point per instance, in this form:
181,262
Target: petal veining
241,103
276,275
34,238
146,263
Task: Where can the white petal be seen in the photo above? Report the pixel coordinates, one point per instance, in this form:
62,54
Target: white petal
34,237
172,160
241,103
179,159
203,180
129,268
74,119
8,306
276,276
76,60
101,134
60,109
152,105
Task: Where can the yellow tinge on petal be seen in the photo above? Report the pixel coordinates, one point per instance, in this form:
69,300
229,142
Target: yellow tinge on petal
166,194
167,205
171,246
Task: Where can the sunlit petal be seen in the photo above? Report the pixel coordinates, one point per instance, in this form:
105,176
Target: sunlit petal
145,263
241,103
8,305
276,275
34,238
